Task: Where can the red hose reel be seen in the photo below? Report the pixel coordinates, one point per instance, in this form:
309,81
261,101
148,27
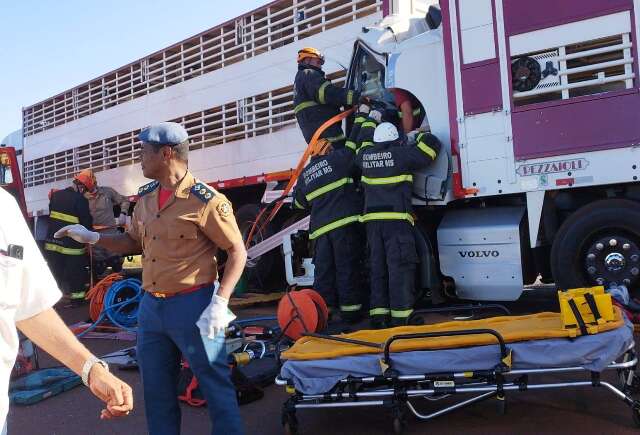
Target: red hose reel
302,311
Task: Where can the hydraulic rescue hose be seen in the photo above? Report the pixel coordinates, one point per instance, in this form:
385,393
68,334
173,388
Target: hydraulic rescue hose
115,299
311,148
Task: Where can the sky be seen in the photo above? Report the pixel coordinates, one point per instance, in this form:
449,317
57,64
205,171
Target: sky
48,46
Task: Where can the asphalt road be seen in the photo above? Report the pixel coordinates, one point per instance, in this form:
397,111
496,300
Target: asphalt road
588,411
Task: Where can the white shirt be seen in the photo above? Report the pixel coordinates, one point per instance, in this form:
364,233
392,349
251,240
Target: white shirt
27,288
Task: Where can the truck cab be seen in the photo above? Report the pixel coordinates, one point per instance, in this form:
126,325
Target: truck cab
539,114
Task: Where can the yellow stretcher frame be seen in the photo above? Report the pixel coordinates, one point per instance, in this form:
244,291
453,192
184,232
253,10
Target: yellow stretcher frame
511,328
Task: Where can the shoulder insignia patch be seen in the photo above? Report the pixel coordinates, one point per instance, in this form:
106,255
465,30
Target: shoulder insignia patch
203,192
147,188
224,209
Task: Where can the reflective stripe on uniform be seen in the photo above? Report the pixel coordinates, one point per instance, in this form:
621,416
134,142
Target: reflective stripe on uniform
328,188
350,308
63,250
351,145
416,112
427,150
297,204
64,217
333,225
401,313
350,98
304,105
388,180
365,144
379,311
360,120
387,216
369,124
321,97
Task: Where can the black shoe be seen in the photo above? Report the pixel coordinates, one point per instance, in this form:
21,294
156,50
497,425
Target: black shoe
379,322
351,317
406,321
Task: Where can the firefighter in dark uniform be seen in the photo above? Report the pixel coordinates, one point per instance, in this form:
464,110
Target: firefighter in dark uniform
387,164
327,188
316,100
178,224
68,258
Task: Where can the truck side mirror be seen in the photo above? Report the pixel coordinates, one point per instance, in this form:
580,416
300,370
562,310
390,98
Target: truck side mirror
433,17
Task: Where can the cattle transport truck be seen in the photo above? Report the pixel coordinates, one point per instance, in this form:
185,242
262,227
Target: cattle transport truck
536,104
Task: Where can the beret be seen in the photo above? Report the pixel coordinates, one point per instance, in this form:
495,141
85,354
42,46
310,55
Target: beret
164,133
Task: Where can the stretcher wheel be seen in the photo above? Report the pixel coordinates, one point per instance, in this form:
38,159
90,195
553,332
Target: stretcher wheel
635,414
399,426
399,421
289,424
501,404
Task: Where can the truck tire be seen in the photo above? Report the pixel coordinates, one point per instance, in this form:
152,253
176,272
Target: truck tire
259,271
598,245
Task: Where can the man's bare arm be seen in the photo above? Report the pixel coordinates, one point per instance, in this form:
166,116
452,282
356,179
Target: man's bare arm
49,332
236,259
119,243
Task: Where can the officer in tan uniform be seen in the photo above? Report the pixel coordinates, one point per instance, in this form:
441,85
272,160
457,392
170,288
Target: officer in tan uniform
178,224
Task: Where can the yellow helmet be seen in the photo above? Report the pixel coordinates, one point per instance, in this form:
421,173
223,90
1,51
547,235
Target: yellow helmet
310,52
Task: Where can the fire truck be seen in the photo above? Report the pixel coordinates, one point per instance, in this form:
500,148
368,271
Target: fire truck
536,105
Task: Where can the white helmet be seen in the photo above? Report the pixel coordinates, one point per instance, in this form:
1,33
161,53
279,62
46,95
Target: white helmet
385,132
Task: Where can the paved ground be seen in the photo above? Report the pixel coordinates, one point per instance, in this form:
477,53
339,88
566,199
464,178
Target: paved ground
589,410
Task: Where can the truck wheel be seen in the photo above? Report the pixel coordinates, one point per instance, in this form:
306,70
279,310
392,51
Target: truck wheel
259,269
598,245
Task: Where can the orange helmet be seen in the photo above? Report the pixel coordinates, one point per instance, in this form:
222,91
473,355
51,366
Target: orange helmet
310,52
86,178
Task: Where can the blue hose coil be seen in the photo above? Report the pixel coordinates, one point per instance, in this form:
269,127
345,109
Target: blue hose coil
115,311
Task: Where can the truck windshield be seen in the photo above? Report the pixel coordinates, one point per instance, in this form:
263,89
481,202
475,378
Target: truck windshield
367,74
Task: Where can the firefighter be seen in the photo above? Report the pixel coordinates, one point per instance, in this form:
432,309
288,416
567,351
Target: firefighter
409,110
68,258
387,164
102,200
316,100
326,187
178,224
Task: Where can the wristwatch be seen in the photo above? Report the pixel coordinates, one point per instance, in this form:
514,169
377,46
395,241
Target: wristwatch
88,365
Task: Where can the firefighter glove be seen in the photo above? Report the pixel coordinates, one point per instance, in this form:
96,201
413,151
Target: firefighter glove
364,108
78,233
122,219
215,318
376,116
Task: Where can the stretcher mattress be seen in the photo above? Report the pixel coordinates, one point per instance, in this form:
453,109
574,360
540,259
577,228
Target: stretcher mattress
511,328
592,352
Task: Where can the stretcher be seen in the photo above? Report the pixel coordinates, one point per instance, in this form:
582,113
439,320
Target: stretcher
480,359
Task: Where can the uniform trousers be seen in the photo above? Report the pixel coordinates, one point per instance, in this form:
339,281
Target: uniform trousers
337,265
167,329
70,271
393,259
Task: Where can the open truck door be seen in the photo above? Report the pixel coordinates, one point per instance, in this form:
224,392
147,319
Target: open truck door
10,178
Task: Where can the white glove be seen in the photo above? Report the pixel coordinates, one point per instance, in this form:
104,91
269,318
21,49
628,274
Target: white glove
376,116
364,108
78,233
122,219
215,318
